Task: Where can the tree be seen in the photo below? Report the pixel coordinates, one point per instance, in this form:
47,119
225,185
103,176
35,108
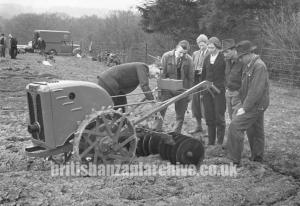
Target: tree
23,25
239,19
178,18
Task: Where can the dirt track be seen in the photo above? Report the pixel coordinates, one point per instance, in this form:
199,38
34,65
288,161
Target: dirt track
27,181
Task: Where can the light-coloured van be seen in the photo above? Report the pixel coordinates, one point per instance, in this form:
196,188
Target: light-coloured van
57,42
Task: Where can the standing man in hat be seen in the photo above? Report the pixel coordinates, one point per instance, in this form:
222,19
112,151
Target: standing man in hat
177,64
13,46
41,45
198,59
254,94
233,73
2,45
215,104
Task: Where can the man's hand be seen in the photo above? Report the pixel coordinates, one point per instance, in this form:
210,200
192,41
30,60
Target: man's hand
240,111
198,70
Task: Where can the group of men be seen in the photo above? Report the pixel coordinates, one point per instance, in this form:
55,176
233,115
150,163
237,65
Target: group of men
239,74
10,43
242,78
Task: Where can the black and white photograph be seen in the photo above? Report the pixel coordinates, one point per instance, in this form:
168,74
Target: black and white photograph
150,102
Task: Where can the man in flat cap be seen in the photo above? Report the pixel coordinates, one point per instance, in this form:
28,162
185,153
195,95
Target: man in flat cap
254,94
177,64
2,45
13,46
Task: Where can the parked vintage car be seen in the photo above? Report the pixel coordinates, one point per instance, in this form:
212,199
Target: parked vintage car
23,48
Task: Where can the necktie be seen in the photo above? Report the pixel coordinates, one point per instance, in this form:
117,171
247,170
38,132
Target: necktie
178,67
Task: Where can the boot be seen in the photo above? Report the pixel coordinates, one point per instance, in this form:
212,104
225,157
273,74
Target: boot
256,159
198,128
211,135
220,134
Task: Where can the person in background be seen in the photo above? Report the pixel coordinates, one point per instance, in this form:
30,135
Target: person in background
233,73
215,104
13,46
123,79
176,64
2,45
198,59
41,45
254,94
113,60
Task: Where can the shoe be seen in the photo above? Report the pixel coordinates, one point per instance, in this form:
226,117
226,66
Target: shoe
198,129
256,159
234,161
223,147
237,164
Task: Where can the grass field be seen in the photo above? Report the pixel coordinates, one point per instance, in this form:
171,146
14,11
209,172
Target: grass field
27,181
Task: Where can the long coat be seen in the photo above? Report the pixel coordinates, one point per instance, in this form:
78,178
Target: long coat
254,91
215,73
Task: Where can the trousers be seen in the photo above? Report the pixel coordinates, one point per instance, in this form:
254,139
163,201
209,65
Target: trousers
253,123
196,107
118,101
233,102
180,109
214,108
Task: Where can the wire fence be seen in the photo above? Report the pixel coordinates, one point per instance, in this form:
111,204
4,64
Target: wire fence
283,64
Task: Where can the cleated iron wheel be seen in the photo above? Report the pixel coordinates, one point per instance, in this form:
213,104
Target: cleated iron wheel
140,132
153,144
105,137
146,140
162,149
139,148
190,151
175,148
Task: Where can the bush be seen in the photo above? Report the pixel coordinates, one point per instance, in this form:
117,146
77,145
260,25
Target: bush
281,35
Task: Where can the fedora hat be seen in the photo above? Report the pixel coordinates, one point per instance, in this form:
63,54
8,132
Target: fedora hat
244,47
228,44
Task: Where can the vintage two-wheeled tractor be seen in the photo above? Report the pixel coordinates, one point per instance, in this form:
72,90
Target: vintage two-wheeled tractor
77,119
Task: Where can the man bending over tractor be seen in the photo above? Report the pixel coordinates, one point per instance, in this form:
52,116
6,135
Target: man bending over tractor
125,78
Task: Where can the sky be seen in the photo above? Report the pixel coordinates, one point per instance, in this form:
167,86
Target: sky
96,4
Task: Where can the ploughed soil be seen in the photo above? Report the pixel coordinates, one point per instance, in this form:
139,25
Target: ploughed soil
28,181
